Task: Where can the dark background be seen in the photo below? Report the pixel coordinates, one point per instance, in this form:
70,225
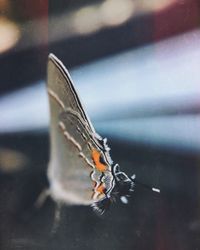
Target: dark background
170,220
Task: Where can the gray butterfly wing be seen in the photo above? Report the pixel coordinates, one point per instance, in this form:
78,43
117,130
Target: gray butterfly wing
71,171
61,86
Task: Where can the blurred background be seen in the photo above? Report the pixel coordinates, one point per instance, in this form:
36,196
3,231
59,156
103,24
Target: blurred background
135,64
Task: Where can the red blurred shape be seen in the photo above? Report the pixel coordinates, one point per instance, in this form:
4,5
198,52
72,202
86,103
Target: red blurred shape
179,17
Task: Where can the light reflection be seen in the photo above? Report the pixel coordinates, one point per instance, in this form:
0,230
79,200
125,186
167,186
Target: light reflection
94,17
87,20
154,5
12,160
151,93
116,12
9,33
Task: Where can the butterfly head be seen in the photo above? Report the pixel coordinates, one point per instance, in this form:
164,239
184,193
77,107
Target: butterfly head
117,183
124,186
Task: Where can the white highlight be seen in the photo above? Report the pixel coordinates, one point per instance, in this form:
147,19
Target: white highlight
124,199
133,176
156,190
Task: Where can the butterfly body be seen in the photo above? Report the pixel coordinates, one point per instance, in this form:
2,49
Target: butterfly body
80,170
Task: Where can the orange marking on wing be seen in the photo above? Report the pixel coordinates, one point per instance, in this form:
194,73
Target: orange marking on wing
101,188
96,158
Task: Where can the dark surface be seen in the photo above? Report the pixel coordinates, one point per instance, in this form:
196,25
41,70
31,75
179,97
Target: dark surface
170,220
150,221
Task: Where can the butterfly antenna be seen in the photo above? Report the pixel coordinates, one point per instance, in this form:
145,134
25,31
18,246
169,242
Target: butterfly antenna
157,190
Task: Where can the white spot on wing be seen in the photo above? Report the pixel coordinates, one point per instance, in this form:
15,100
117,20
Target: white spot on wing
124,199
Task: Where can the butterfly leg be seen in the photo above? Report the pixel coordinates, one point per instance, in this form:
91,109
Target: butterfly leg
42,198
57,217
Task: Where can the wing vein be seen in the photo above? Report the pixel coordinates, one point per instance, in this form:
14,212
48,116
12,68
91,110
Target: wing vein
56,98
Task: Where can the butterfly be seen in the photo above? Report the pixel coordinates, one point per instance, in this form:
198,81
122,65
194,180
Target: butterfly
80,169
